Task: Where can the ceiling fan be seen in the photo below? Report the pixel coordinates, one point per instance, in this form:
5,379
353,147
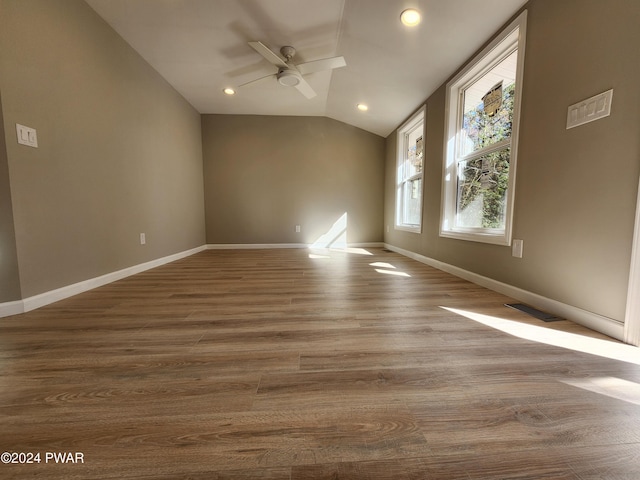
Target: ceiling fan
289,74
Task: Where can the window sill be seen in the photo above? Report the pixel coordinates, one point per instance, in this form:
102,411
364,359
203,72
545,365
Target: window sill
491,238
408,228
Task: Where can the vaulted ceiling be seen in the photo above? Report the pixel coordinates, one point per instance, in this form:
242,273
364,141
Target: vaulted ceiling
201,46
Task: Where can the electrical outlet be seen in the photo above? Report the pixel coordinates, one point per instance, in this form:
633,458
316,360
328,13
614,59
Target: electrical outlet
143,239
297,228
516,250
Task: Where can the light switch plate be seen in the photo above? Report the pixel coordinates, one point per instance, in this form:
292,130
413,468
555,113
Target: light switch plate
27,136
594,108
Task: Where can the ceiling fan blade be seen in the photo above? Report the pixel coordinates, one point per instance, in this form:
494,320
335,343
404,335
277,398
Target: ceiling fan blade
268,54
256,80
305,89
319,65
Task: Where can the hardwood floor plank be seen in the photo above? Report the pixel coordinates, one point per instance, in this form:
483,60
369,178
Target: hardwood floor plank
616,462
405,469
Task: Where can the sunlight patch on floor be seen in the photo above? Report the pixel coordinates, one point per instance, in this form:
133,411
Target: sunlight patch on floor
324,253
579,343
610,386
392,272
357,251
382,265
388,269
316,255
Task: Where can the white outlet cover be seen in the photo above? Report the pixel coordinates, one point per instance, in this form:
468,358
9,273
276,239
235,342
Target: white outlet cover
516,249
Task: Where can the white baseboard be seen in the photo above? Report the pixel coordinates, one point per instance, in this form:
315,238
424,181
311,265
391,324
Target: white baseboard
591,320
260,246
11,308
46,298
253,246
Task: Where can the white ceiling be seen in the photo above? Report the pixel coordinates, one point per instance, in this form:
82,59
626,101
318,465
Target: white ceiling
200,47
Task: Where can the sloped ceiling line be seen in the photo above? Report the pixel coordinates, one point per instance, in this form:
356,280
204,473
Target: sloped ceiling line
200,47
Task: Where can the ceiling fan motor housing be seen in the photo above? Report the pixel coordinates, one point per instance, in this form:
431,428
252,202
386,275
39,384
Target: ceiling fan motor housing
288,77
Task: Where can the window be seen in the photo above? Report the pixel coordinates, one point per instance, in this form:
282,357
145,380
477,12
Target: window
481,137
409,173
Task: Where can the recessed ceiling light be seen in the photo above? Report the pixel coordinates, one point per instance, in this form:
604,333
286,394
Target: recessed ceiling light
410,17
229,91
362,107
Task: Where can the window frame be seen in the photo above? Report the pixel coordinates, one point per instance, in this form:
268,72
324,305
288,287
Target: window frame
511,38
419,116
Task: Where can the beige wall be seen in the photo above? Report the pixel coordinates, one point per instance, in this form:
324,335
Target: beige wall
576,189
9,277
120,151
264,175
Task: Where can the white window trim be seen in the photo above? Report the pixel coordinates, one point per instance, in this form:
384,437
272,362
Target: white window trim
498,49
419,116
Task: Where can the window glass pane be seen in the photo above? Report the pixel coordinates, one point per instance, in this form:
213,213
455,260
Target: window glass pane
482,190
409,173
480,160
488,107
414,151
412,201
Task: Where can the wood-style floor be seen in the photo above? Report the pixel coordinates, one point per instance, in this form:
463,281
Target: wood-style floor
278,364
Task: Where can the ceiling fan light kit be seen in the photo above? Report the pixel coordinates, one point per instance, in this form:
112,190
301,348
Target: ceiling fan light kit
288,77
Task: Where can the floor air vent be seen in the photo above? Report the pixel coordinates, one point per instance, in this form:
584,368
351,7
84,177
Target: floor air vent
540,315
